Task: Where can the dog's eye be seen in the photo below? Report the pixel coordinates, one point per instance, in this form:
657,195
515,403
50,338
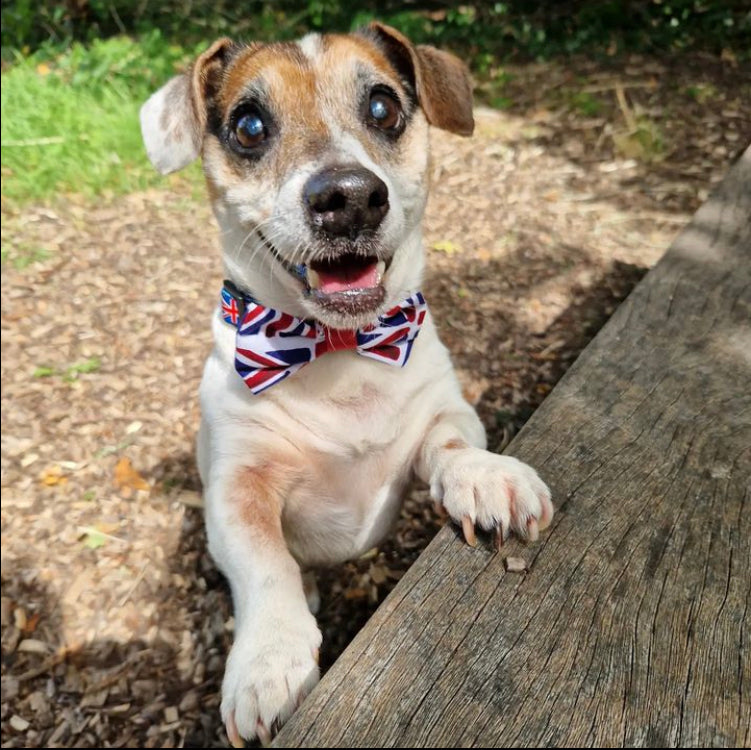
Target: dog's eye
250,130
384,111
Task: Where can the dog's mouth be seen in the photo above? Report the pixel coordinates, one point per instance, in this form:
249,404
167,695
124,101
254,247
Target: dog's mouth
349,283
348,273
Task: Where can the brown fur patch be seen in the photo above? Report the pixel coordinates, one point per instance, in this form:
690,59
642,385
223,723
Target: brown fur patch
256,63
203,76
258,494
454,445
340,50
445,91
303,94
289,84
444,86
310,100
342,57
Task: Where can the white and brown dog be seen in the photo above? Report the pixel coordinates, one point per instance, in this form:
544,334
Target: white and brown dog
316,159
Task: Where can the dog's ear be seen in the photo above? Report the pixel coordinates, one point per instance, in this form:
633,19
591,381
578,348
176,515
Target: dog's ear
441,80
173,120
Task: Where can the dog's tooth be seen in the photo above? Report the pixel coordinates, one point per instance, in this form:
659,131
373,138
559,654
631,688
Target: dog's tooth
380,268
313,280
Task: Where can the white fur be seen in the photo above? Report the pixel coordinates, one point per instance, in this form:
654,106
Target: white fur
310,44
350,431
178,144
348,508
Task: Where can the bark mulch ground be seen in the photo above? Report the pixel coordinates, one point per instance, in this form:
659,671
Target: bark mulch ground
115,622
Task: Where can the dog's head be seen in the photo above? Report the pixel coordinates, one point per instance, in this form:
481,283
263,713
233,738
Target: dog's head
316,157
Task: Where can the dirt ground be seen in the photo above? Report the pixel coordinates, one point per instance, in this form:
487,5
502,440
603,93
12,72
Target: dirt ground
115,622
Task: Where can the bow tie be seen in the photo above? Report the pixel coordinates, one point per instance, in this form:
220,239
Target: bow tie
271,345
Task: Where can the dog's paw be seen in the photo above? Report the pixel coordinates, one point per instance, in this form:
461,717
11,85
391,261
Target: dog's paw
495,492
269,671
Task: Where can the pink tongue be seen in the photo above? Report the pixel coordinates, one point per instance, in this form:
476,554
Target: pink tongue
344,279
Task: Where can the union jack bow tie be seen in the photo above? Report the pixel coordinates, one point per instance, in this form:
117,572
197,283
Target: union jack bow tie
271,345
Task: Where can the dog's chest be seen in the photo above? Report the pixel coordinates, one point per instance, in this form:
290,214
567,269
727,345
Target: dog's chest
349,491
344,504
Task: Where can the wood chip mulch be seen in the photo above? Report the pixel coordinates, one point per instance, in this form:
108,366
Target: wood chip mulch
115,622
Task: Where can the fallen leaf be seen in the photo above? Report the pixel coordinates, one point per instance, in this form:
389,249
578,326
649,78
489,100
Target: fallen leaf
96,536
31,623
94,539
446,246
127,477
377,574
53,475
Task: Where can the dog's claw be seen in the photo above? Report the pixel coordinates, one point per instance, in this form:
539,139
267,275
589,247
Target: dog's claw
232,734
468,528
316,655
533,531
501,535
264,735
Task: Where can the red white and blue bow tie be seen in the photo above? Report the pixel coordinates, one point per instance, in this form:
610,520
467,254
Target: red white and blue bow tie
271,345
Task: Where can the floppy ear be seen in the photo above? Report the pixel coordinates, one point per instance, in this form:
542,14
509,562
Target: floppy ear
441,80
173,120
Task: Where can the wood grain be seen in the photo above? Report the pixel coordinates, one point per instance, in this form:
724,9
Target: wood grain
632,626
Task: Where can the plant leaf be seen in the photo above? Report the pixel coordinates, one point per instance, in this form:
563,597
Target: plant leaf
127,477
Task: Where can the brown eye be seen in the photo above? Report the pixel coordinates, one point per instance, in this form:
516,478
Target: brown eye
250,130
384,111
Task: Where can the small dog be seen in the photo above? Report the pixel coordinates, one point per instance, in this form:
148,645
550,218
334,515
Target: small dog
328,387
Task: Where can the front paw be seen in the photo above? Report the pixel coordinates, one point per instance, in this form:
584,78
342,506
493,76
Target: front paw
495,492
270,669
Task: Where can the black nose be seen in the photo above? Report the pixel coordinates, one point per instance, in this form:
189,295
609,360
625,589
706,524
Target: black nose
346,201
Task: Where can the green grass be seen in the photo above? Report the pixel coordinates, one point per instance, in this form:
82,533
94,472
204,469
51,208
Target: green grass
585,103
23,255
70,108
70,121
702,92
71,372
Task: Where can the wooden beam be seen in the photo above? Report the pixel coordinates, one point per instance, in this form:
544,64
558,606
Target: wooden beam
633,625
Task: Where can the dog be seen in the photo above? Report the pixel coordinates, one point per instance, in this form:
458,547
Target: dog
328,387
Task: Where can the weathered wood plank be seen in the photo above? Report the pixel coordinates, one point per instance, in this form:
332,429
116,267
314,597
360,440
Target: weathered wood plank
633,625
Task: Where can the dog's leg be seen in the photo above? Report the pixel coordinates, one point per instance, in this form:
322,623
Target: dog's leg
477,487
310,587
273,662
